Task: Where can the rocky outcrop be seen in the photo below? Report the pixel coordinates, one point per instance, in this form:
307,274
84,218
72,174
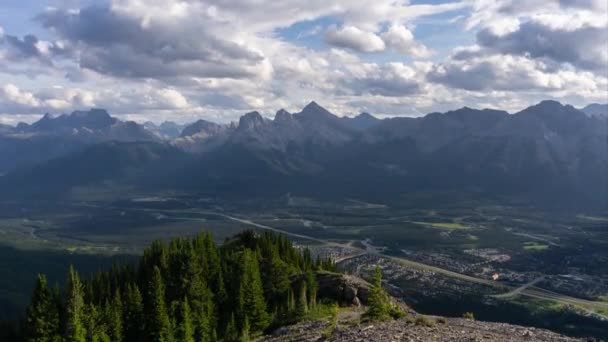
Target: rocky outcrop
452,329
345,289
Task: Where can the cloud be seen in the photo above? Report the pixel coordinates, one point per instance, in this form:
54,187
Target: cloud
29,47
585,47
401,39
354,38
182,59
118,43
514,74
391,80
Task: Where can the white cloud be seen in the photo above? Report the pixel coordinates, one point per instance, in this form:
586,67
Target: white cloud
182,59
515,74
354,38
401,39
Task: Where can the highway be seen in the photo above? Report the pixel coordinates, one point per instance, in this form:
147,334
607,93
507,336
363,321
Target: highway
526,290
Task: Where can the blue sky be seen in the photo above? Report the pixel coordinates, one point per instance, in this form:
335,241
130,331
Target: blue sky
186,59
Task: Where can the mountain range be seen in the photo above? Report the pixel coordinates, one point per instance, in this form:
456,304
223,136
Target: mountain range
549,153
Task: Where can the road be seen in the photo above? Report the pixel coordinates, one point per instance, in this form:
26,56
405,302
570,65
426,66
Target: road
519,290
527,290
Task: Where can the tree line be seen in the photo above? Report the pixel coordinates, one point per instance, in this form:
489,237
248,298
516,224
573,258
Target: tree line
187,290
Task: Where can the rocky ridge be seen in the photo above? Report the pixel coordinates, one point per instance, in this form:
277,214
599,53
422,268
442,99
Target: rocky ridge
446,329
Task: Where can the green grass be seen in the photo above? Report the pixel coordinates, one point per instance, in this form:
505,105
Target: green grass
322,311
603,311
538,305
444,225
533,246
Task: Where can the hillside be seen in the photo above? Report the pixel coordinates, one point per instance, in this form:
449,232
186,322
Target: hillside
429,329
253,286
186,290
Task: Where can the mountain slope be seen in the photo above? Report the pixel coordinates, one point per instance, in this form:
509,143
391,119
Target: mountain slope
109,163
596,109
167,130
50,137
548,153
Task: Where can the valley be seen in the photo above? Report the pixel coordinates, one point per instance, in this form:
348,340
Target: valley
442,255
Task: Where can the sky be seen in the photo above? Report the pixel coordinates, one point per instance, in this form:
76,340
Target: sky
180,60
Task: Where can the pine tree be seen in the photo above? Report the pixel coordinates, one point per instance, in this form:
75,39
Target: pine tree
75,329
251,294
246,331
275,276
311,286
184,329
114,314
158,325
201,299
229,289
379,305
301,304
95,323
231,334
42,321
133,315
291,300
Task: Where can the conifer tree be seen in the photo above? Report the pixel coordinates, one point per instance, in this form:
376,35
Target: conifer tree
291,300
301,303
114,312
158,325
75,328
229,289
379,304
246,331
94,321
133,315
184,330
275,276
311,286
251,294
42,321
231,334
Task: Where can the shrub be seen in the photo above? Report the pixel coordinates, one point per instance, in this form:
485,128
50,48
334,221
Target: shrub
424,321
468,315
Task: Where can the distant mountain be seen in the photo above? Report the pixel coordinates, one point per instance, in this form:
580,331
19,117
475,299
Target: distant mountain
107,163
201,127
93,120
362,121
6,129
436,129
168,130
94,125
202,136
548,153
52,137
596,109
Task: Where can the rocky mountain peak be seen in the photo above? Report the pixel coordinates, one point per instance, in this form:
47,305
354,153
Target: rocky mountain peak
94,119
283,116
314,110
199,126
250,121
362,121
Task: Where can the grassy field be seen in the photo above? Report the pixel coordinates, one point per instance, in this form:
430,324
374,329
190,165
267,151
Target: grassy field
443,225
533,246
